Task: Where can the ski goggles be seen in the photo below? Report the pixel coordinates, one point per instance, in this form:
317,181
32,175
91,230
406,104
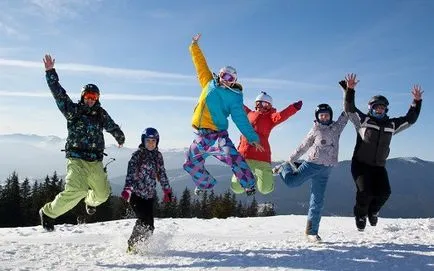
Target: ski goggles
227,77
91,96
263,104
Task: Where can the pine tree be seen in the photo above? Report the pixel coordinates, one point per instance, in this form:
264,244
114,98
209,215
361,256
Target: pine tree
240,211
26,203
252,211
169,209
12,216
227,205
195,212
205,211
185,204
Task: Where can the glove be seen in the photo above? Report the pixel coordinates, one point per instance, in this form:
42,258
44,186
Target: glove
343,84
298,105
168,196
126,194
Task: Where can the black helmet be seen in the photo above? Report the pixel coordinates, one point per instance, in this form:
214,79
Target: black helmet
89,88
323,108
378,99
150,133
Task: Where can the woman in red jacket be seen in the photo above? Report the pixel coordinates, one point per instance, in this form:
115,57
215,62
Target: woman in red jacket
263,119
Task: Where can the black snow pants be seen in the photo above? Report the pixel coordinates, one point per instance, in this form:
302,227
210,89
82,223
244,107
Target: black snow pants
144,227
373,188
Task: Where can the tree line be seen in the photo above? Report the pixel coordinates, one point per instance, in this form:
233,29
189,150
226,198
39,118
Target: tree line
20,202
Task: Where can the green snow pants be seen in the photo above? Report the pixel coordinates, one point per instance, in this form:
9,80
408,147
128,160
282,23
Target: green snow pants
263,175
83,180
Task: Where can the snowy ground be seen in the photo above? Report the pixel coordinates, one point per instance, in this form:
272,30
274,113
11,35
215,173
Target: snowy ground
265,243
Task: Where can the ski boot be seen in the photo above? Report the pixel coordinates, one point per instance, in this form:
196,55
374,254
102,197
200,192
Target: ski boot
250,191
46,221
314,238
198,191
373,219
361,222
132,249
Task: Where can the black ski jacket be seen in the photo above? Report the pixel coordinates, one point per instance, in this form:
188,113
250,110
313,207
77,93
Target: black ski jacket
374,135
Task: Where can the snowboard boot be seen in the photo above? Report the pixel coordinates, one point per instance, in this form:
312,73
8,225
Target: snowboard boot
198,191
90,210
361,222
46,221
314,238
132,249
373,219
250,191
278,168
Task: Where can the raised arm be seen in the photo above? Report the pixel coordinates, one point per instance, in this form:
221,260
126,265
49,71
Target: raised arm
283,115
64,103
355,115
341,122
204,74
412,115
247,109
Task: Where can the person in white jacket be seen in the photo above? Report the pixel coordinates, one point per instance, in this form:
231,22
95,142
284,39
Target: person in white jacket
322,147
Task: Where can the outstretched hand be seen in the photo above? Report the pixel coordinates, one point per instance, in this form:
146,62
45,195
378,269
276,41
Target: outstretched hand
258,146
298,105
48,62
417,92
196,38
351,80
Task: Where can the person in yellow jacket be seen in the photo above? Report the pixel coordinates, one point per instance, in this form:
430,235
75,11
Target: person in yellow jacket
221,96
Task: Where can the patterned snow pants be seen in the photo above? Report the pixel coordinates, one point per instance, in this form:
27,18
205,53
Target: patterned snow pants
219,145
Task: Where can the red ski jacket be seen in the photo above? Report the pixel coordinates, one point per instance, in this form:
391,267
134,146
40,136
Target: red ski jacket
263,123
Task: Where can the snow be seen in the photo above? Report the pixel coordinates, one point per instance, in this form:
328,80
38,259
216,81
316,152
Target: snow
260,243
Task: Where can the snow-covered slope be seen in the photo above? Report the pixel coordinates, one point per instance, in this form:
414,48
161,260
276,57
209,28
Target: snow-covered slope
262,243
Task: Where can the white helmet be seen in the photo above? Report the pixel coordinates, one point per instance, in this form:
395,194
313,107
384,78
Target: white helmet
264,97
230,72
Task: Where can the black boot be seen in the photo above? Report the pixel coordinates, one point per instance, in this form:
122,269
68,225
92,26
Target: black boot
90,210
373,219
361,222
46,221
139,237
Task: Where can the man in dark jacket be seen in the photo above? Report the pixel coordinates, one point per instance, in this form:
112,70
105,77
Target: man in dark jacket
85,176
374,134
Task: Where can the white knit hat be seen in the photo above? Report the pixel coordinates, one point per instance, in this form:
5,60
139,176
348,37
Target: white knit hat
264,97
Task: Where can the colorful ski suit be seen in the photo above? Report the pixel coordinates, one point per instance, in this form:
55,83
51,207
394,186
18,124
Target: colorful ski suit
214,106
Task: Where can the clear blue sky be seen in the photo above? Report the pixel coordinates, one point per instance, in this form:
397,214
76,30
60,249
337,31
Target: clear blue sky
137,53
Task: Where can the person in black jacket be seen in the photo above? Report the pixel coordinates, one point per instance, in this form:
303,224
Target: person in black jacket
84,148
374,134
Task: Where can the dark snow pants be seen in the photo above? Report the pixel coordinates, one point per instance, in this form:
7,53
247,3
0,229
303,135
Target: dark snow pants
144,210
373,188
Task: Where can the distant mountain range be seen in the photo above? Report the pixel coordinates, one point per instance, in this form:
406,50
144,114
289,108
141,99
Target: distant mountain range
411,178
